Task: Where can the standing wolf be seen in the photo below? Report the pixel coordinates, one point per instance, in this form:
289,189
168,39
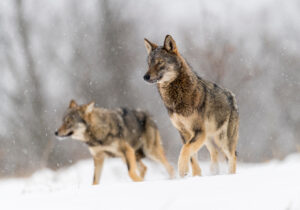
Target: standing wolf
203,112
129,134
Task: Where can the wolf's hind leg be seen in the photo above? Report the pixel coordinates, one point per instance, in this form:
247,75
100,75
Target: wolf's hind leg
231,161
142,168
98,165
232,138
130,158
232,164
230,154
228,146
213,151
159,156
156,153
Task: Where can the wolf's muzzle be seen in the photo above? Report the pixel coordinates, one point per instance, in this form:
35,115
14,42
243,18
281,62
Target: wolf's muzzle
67,135
147,77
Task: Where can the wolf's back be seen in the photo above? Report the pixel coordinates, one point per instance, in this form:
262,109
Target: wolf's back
139,124
134,119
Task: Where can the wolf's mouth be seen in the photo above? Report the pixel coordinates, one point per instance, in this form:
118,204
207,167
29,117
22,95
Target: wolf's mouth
69,134
63,136
155,80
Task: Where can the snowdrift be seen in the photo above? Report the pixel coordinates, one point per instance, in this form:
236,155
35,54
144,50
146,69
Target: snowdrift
273,185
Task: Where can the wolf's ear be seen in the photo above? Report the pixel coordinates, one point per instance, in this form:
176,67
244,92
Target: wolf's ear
149,46
89,107
170,44
72,104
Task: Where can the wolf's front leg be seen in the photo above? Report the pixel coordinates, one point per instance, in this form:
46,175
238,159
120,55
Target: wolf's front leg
98,165
195,166
187,151
130,159
183,162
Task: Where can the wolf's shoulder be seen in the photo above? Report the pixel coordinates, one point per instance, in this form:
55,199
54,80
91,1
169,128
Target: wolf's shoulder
208,85
216,91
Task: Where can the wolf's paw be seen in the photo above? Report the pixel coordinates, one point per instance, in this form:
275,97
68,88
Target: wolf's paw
183,169
197,172
95,183
183,173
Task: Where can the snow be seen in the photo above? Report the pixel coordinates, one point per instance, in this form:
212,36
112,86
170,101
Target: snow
273,185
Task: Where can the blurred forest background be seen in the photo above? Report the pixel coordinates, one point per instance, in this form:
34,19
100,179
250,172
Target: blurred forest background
58,50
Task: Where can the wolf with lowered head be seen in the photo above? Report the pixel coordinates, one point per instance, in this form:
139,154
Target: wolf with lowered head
125,133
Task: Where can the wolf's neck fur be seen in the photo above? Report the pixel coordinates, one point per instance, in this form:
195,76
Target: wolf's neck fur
182,95
93,138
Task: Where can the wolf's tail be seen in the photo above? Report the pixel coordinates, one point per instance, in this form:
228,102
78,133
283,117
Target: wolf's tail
233,130
151,131
232,100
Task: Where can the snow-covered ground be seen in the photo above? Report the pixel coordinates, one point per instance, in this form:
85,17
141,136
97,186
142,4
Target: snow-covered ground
272,185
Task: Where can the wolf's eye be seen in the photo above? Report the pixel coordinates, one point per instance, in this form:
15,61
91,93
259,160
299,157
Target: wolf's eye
160,62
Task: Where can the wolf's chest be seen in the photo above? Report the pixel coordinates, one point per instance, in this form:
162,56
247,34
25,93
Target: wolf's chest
171,97
185,123
112,149
188,124
177,101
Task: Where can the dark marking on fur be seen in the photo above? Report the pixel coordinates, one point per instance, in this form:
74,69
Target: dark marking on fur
196,132
192,140
142,121
194,95
202,106
236,153
128,165
161,68
221,136
90,144
170,111
124,110
84,122
93,141
220,122
109,154
209,114
120,131
139,154
182,138
230,99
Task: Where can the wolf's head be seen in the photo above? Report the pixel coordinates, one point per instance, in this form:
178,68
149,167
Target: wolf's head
164,61
74,125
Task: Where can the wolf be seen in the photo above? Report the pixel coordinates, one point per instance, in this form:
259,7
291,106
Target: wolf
203,112
129,134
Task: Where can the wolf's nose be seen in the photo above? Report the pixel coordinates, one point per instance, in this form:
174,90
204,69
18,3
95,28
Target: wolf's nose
147,77
56,133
